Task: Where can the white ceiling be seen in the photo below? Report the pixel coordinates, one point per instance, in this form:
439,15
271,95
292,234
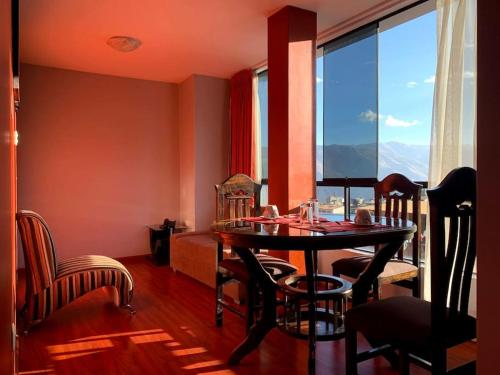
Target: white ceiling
180,37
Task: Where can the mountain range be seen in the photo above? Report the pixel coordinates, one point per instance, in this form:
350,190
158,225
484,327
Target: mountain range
360,161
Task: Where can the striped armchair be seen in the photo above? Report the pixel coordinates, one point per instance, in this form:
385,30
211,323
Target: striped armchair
52,284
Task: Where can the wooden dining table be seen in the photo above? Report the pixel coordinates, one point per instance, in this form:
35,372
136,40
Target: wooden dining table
244,236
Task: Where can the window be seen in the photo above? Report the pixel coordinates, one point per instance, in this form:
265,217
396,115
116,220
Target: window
262,93
375,90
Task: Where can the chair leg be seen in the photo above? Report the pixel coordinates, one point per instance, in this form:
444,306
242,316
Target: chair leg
377,290
351,352
404,363
416,287
438,360
219,294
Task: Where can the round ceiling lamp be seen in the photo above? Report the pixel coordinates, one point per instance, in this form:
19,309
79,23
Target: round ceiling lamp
124,43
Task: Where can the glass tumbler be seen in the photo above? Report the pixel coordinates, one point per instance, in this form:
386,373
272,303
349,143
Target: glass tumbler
313,202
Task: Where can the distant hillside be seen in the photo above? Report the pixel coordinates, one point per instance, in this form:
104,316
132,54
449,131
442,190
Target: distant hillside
409,160
352,161
358,160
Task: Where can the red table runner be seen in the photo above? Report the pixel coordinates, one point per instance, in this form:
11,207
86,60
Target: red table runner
324,225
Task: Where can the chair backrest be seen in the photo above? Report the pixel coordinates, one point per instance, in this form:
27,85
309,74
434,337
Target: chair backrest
453,243
238,196
39,251
398,191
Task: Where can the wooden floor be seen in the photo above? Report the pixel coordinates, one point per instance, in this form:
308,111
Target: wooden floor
173,332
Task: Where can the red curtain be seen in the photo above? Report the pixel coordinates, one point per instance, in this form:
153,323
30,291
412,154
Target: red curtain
242,142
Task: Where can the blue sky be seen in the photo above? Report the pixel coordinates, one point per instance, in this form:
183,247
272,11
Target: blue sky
406,68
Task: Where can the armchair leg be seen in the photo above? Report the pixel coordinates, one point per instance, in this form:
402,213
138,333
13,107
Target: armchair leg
129,308
26,328
351,352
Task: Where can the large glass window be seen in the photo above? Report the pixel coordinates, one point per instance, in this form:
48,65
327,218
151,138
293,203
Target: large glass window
350,105
263,103
375,100
375,105
407,64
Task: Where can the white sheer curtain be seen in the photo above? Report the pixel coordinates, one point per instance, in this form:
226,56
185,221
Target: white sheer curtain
453,139
256,128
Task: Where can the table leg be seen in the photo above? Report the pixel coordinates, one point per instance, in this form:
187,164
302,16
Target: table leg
362,286
267,321
311,272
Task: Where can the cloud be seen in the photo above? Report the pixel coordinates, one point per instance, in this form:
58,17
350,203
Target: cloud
394,122
431,79
368,116
411,84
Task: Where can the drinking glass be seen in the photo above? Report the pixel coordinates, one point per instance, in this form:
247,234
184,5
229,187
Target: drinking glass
306,213
313,202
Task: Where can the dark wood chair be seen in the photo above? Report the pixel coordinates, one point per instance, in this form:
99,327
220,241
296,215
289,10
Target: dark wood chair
422,330
397,192
239,196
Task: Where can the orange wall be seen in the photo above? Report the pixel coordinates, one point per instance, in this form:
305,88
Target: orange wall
203,144
98,158
187,160
212,134
7,195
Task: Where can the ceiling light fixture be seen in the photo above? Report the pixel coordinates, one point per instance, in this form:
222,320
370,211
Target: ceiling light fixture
124,43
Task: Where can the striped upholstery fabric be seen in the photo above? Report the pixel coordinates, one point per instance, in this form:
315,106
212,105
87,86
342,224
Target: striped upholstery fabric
51,284
39,251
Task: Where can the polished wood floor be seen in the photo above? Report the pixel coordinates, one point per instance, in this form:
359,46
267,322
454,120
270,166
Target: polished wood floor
173,332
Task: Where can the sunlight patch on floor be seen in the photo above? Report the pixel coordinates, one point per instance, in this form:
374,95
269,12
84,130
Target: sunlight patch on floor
198,365
146,339
111,335
190,351
219,372
35,372
79,346
173,344
62,357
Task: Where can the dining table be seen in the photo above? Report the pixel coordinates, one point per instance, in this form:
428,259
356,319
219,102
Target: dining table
244,235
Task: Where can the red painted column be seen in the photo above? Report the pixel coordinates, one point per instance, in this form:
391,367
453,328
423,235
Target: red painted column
292,99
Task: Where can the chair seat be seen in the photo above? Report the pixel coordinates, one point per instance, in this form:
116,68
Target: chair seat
275,266
406,322
353,266
88,263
